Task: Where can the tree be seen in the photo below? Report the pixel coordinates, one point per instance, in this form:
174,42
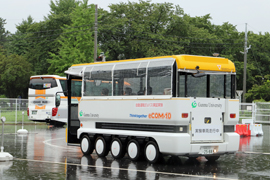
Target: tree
40,39
15,73
3,32
77,41
260,92
139,30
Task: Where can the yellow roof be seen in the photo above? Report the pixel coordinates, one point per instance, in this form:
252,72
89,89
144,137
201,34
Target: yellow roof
205,63
188,62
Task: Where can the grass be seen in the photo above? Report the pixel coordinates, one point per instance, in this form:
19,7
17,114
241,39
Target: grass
11,116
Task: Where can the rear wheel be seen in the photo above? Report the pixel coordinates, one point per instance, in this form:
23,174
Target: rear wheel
133,150
101,147
86,145
117,149
151,152
212,158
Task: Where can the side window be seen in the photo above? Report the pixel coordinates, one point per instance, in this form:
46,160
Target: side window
98,81
76,88
130,78
63,85
130,81
159,80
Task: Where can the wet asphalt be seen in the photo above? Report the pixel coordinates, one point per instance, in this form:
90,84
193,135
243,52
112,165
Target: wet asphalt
43,154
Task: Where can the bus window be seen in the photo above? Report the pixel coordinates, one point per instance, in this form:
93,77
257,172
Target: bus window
42,83
131,78
76,88
196,86
228,86
217,85
63,85
159,80
98,79
181,87
190,86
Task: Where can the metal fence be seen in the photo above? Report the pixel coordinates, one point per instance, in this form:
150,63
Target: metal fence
13,109
259,112
246,110
262,112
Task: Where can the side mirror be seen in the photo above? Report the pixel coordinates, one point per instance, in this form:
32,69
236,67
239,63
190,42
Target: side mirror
57,100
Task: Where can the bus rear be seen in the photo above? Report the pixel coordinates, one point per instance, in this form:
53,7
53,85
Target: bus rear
41,100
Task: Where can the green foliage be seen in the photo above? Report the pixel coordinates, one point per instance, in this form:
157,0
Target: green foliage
15,72
76,42
3,32
260,92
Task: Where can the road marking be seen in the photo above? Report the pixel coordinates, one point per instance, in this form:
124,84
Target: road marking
125,169
261,153
47,142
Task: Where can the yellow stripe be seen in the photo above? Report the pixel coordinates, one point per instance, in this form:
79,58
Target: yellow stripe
65,97
43,91
234,100
42,107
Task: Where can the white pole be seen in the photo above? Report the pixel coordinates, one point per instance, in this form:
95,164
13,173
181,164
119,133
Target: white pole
245,66
16,113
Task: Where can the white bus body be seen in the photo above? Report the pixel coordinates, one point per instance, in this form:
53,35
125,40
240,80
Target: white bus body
41,99
182,105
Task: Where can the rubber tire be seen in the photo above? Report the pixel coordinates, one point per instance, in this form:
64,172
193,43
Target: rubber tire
86,145
104,152
151,147
212,158
133,144
121,152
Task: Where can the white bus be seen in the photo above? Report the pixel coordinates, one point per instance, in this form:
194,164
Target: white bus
180,105
41,99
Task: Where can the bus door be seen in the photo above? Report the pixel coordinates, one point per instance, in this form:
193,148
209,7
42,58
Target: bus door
74,94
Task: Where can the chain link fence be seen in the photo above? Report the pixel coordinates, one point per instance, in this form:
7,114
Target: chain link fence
14,110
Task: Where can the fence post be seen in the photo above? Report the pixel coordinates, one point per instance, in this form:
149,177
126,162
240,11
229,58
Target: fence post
253,112
16,112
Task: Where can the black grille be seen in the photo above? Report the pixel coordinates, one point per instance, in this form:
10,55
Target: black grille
142,127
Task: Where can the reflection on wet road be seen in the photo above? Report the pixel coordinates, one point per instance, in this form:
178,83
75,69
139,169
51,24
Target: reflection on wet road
43,154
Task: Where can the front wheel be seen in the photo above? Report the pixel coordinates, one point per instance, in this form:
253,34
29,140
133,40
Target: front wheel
151,152
86,145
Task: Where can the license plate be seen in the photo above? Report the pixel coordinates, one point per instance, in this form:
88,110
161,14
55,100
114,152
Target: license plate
34,112
208,150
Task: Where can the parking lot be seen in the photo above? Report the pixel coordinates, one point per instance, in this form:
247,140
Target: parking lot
43,154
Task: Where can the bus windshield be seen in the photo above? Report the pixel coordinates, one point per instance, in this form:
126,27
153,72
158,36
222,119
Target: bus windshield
42,83
211,85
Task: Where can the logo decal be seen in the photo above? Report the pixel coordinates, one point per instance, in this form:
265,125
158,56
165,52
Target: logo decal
194,104
219,67
81,113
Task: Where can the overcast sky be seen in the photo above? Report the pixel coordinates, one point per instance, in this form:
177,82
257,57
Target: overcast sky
255,13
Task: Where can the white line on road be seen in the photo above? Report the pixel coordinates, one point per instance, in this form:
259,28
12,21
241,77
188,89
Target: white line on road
124,169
